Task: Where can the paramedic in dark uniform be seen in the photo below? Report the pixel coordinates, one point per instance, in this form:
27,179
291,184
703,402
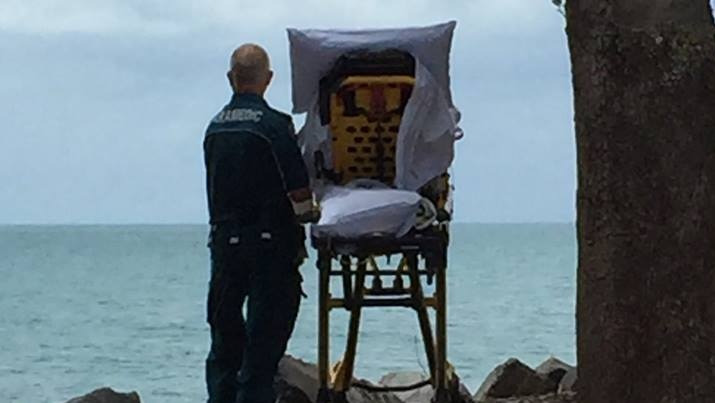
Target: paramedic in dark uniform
257,184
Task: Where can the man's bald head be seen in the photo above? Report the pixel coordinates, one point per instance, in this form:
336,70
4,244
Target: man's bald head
250,69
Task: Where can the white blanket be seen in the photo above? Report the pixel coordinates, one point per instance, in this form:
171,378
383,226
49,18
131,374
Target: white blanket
354,213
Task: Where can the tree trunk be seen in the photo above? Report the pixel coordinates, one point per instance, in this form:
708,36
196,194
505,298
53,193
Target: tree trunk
644,90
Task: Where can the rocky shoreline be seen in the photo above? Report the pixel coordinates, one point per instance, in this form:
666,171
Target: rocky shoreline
511,382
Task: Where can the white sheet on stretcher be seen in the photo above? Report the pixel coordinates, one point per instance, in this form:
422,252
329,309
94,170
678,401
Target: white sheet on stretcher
425,141
429,124
354,213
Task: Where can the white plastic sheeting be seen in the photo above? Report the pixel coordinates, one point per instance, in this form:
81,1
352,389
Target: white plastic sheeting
429,123
353,213
314,51
425,141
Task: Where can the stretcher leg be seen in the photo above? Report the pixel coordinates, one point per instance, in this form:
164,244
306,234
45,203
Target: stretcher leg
345,372
422,314
441,382
324,264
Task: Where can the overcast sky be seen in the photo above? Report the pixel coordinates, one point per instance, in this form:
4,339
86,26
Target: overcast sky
103,104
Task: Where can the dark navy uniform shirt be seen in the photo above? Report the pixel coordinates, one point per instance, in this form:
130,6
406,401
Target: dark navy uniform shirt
252,162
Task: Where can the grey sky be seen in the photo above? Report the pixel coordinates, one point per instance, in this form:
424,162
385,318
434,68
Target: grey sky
104,103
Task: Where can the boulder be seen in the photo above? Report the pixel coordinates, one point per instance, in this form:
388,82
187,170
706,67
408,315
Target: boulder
568,382
554,369
296,374
107,395
550,398
288,393
297,382
421,395
514,379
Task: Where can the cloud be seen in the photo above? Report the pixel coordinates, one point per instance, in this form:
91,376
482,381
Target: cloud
85,16
162,17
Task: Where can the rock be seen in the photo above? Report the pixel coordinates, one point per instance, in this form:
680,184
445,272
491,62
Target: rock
568,382
550,398
288,393
554,369
107,395
294,373
299,380
421,395
514,379
465,394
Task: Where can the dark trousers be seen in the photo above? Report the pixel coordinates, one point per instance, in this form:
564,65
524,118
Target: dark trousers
245,353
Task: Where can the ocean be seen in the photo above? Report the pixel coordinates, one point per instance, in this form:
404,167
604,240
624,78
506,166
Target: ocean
124,306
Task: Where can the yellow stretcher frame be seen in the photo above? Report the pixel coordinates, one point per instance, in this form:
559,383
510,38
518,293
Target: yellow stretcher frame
365,113
357,263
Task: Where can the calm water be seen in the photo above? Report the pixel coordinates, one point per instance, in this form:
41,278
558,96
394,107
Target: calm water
84,307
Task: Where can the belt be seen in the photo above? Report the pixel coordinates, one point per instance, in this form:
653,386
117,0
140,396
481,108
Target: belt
235,233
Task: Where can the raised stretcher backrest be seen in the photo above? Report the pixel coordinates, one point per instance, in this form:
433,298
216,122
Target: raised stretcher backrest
363,99
365,119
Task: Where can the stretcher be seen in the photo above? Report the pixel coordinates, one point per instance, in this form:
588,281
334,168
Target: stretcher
362,100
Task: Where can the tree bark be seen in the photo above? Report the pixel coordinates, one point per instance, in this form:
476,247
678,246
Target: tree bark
644,93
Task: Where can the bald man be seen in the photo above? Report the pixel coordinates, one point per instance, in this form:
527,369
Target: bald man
255,175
